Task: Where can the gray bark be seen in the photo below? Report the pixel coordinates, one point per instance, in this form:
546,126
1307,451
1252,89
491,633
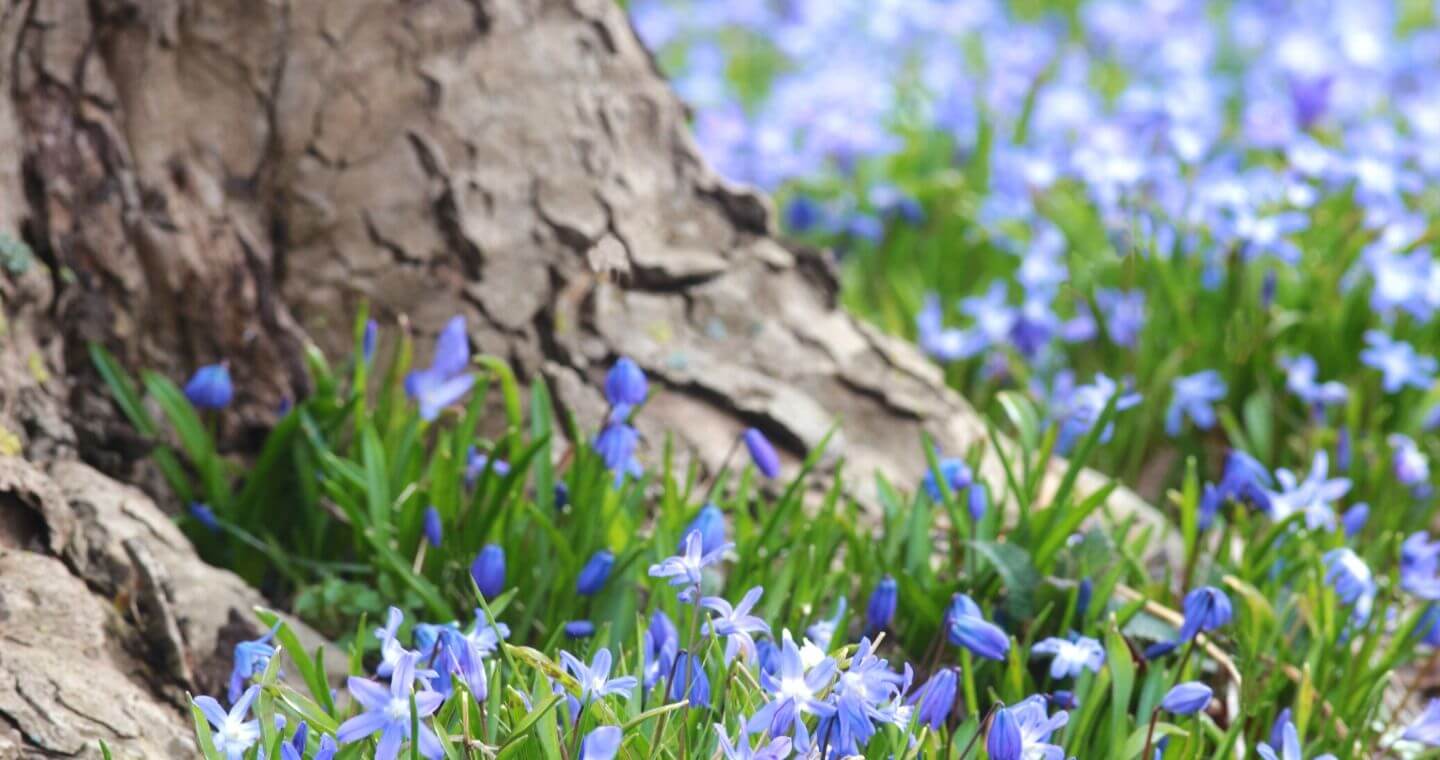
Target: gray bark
230,179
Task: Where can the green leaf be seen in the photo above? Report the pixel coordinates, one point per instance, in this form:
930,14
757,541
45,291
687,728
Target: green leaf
1016,572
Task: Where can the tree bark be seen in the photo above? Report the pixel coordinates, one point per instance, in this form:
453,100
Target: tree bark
205,180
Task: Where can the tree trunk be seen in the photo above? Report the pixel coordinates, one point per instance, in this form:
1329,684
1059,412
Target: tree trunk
207,180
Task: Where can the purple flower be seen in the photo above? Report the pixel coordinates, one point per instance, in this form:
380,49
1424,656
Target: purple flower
488,570
1206,608
387,712
1289,747
1071,658
661,644
1081,408
1187,698
777,749
936,699
595,572
994,319
1399,363
968,628
690,681
1354,519
1314,497
794,688
1023,731
881,609
685,569
1409,463
210,387
709,522
434,528
1420,566
251,659
1194,396
616,445
736,623
946,344
625,384
231,733
603,743
445,381
762,453
1352,581
595,680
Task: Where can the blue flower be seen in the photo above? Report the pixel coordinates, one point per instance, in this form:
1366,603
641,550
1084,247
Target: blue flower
690,681
1352,580
1420,566
953,472
1206,609
858,696
1070,658
1123,314
660,644
205,516
709,522
1160,649
210,387
794,688
488,570
579,629
1023,731
1300,379
1409,463
803,214
777,749
1426,728
936,699
595,680
295,748
762,453
368,341
1289,747
625,384
476,463
1083,592
881,609
1186,698
736,623
387,712
464,657
445,381
1314,497
616,444
1354,519
231,733
434,529
595,572
1080,410
979,501
1277,729
968,628
251,660
941,343
603,743
822,633
1194,396
1399,364
685,569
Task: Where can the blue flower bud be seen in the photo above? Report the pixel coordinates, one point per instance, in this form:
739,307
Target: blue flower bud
1267,289
488,570
968,629
579,629
476,463
1206,608
711,524
595,573
1187,698
1063,700
1277,729
625,383
955,474
616,444
1159,649
936,699
690,682
434,531
210,387
562,495
368,341
1343,452
802,214
881,609
1355,518
1004,741
602,744
205,515
1082,597
979,501
762,453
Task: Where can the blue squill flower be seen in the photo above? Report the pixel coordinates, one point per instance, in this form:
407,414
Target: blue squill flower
205,516
777,749
661,643
1277,729
795,689
690,681
295,748
464,656
945,344
1400,365
881,608
1426,728
1354,519
445,381
488,570
978,501
579,629
1081,410
1352,581
387,712
709,522
1206,609
603,743
1023,731
1195,396
685,570
595,680
210,387
251,660
862,690
1123,313
369,340
477,462
1300,378
1160,649
625,384
1289,747
595,572
736,623
1083,593
936,699
1186,698
802,214
1071,658
1420,566
616,444
954,473
1409,463
1313,497
230,732
968,628
434,528
822,633
762,453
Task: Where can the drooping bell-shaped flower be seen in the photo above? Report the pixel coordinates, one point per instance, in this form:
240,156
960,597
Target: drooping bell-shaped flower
210,387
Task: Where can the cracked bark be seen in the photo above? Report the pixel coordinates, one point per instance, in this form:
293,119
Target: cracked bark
229,179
